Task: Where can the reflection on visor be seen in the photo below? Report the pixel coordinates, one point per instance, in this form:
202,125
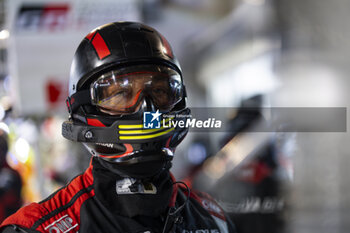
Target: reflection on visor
122,91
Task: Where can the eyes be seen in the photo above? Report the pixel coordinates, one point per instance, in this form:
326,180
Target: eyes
112,93
123,93
160,88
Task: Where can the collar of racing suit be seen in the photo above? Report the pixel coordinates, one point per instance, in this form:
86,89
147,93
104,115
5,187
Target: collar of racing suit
131,197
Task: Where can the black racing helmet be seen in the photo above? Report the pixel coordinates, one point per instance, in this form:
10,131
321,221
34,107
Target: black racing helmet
120,72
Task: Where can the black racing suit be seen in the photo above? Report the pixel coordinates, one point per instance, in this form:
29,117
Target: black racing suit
88,204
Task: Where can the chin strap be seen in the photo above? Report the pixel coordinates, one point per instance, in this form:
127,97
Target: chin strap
173,216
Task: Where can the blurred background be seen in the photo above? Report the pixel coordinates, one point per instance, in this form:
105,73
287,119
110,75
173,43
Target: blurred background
253,54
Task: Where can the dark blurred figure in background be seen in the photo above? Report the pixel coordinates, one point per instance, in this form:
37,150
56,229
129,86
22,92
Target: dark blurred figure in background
10,182
248,114
255,194
250,184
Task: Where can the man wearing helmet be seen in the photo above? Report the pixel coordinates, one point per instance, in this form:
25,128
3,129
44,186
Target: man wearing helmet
119,72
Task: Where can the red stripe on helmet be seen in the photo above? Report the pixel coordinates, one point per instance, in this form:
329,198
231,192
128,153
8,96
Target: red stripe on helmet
90,35
166,47
95,122
100,46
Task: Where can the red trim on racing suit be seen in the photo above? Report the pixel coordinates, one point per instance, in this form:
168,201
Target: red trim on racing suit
75,208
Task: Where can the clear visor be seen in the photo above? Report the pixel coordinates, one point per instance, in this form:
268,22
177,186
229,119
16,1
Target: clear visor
123,90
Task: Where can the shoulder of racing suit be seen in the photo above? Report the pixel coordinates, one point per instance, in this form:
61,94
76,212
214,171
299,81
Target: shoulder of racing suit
59,210
205,203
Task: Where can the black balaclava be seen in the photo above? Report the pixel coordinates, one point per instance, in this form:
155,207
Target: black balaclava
132,197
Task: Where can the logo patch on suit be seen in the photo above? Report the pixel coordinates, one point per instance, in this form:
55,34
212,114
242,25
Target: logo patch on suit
63,224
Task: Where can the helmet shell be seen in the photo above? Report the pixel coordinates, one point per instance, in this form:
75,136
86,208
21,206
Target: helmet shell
118,44
110,47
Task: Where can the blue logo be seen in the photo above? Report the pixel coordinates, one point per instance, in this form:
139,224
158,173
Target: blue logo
151,120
